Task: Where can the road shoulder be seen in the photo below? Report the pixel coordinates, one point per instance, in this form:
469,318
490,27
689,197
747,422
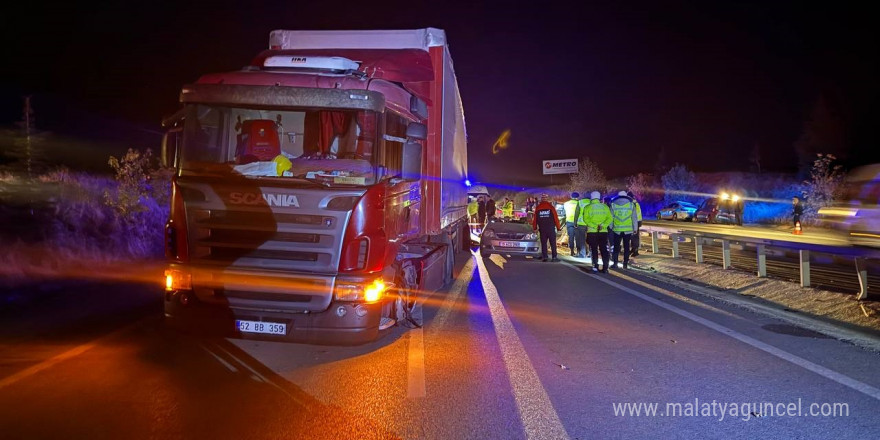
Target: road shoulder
833,314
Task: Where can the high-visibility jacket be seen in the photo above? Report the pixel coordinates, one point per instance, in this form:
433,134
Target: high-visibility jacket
623,211
595,216
638,210
579,211
570,210
507,209
472,208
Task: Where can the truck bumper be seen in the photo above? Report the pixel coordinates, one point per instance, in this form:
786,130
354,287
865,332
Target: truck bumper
343,323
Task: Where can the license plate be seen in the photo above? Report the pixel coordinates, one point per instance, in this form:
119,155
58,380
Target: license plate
508,244
267,328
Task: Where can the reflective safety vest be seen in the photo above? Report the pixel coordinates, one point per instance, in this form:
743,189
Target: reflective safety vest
472,208
638,211
570,210
623,210
579,211
596,216
507,209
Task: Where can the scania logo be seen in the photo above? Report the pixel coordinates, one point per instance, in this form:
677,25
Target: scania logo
283,200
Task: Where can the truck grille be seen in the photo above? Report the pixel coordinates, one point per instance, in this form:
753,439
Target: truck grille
268,240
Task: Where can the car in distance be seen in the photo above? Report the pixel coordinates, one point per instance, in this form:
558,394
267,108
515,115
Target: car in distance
509,238
682,211
722,210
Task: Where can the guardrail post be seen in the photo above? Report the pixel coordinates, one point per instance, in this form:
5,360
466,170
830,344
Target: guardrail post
805,268
862,270
655,242
698,245
725,251
762,261
675,253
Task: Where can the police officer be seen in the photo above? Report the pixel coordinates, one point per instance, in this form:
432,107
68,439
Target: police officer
580,231
623,211
481,209
507,209
472,208
490,209
570,226
636,237
797,211
597,217
546,222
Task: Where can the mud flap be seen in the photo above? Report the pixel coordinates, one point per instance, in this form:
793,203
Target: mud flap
406,302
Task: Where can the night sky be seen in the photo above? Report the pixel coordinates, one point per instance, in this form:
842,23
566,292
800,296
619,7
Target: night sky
619,83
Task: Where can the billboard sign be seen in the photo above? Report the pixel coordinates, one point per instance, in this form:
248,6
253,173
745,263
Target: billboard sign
562,166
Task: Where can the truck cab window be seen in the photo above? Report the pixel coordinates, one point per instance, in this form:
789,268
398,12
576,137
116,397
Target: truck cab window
329,146
394,138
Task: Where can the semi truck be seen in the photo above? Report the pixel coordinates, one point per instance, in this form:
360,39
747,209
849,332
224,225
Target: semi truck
320,190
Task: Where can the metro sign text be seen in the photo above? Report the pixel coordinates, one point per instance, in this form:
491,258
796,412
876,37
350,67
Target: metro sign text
562,166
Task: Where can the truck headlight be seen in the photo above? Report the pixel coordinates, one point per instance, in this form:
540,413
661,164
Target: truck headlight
177,280
372,292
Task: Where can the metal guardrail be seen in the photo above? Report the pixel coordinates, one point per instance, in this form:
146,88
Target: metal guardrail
761,240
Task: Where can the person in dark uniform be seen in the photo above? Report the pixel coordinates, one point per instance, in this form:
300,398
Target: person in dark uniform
490,210
481,210
546,222
797,211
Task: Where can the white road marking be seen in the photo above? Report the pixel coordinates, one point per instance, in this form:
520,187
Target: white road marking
220,359
797,360
415,365
69,354
539,418
458,289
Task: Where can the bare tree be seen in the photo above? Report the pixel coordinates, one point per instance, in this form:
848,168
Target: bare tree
824,186
824,132
679,183
588,178
641,185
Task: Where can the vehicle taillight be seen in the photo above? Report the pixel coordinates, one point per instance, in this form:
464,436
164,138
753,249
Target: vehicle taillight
365,243
175,228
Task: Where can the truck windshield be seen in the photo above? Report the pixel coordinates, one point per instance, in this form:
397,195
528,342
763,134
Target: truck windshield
332,147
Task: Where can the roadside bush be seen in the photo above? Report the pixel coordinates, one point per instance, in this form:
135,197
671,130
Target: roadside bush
112,218
679,183
824,186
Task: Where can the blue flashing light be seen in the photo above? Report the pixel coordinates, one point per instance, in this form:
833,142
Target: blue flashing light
467,182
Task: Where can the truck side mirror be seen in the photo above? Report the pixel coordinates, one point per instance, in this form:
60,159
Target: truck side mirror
411,161
415,130
170,143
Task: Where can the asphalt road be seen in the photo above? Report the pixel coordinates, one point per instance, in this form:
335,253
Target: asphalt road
513,349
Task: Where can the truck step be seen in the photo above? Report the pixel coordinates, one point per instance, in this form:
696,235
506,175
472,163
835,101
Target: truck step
386,322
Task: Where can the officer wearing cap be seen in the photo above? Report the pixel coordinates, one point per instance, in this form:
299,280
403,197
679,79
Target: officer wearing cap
625,223
571,207
597,217
580,228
